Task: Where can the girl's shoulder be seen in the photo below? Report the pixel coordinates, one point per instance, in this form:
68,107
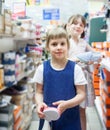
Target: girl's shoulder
40,67
71,63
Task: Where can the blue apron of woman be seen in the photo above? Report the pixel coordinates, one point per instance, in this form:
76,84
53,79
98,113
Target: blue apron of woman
59,85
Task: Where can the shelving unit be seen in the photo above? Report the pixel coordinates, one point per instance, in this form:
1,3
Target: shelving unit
25,100
3,89
16,37
16,42
102,101
25,74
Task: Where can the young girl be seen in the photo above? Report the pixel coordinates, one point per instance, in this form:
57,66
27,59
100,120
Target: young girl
60,83
78,45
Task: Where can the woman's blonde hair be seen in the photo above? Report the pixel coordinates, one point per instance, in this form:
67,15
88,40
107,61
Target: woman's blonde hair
57,32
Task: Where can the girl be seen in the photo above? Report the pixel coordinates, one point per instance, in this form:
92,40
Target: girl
60,83
76,26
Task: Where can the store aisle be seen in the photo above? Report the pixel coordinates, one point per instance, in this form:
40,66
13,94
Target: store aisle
93,122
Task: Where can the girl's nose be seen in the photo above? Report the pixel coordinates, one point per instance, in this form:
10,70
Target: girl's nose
59,46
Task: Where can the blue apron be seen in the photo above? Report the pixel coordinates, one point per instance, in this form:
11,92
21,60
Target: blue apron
59,85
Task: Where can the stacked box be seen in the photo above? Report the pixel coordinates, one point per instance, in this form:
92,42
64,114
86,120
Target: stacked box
105,95
2,24
106,46
17,117
96,79
105,105
101,85
22,121
1,77
6,117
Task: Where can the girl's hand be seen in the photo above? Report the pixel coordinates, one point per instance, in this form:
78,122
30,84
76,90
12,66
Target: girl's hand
40,109
61,105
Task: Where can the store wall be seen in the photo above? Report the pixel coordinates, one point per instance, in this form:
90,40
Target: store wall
95,5
67,8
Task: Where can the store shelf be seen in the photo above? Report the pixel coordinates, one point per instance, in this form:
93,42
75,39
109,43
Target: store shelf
107,53
25,74
3,89
16,37
6,36
99,111
26,69
23,38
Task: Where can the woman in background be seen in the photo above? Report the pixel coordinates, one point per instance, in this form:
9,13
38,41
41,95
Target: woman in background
75,28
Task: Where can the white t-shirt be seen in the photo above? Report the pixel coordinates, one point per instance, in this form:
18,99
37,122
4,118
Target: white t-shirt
78,48
79,78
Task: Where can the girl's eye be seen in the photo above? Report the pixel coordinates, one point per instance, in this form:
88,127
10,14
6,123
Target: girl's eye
54,44
81,25
63,43
75,23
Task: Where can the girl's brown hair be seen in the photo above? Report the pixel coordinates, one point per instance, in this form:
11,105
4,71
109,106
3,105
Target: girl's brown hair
57,32
74,18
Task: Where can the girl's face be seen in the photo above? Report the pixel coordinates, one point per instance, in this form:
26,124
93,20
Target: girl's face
77,28
58,48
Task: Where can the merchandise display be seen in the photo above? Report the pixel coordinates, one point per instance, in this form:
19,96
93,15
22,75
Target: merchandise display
17,64
105,63
6,117
3,103
51,114
101,84
89,56
22,50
